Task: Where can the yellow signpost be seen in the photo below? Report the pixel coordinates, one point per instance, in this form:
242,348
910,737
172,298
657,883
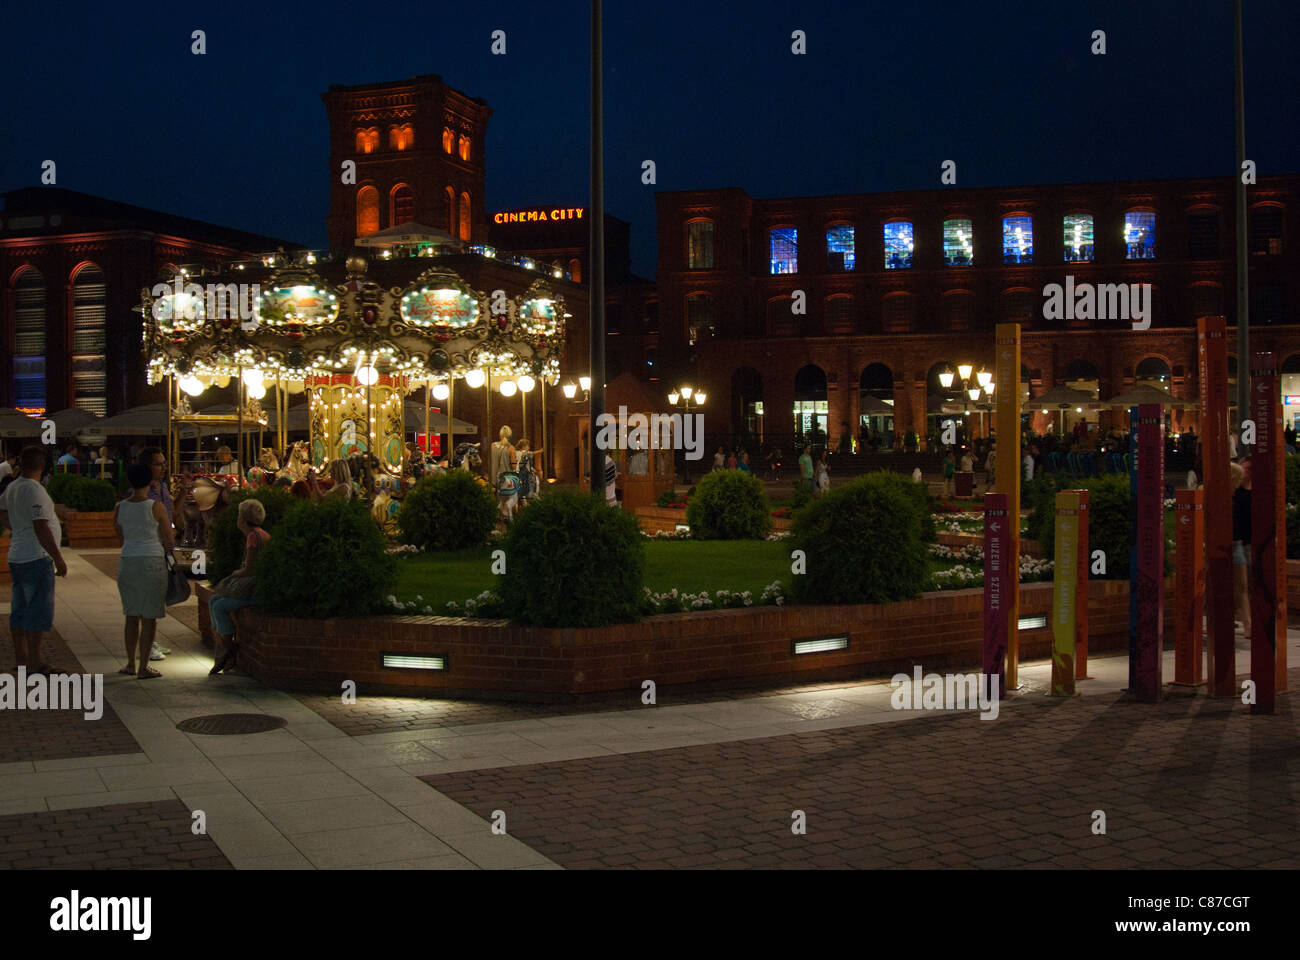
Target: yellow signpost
1007,416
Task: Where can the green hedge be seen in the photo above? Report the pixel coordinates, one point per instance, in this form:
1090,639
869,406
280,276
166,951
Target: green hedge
1108,520
919,493
447,511
573,561
225,544
88,494
863,544
325,560
61,488
1293,479
729,505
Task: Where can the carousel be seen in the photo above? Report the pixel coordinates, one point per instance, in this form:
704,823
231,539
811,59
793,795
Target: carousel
354,348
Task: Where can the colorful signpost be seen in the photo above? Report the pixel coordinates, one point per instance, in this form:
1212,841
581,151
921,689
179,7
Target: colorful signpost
1065,593
1001,572
1081,601
1189,586
1148,643
1267,538
1212,363
1007,416
1132,545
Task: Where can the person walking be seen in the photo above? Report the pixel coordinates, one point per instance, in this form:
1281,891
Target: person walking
948,469
823,477
744,461
611,482
719,459
527,477
236,590
505,482
147,545
806,469
34,559
991,466
1241,522
160,490
731,460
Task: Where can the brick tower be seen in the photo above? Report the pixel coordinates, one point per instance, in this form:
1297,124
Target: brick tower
418,146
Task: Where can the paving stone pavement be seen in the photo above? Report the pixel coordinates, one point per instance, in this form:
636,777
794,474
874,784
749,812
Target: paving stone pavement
1188,782
123,836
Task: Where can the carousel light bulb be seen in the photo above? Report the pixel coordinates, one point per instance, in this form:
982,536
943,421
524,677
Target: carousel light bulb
441,391
191,385
526,383
570,390
474,378
367,375
257,392
253,377
508,388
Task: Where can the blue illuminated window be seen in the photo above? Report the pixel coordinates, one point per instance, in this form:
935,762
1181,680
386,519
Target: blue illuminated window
958,243
1077,237
839,247
898,245
1140,235
1017,239
784,246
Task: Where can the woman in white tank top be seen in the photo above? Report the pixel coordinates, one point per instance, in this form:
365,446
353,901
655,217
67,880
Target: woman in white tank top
142,571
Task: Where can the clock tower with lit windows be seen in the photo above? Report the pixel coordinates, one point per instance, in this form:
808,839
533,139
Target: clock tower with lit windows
418,148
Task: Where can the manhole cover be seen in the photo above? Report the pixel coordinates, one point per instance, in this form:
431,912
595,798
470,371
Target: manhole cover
222,724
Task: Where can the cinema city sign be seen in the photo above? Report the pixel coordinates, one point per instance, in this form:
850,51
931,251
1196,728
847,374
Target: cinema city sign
531,216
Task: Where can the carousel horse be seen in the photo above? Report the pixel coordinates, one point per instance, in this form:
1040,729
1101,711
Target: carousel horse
467,457
263,475
297,463
384,510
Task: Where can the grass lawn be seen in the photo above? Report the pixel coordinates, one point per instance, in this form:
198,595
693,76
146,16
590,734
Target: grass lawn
688,565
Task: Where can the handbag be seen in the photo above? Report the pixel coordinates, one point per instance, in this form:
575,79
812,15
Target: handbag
234,588
178,585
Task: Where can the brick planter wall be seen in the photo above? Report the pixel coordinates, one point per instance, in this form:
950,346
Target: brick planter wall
666,519
492,658
91,529
1028,548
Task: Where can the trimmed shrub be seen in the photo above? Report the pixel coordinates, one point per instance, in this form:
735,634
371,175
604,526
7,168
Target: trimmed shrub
920,496
863,545
62,487
1108,522
93,495
447,511
800,496
316,544
667,498
1293,478
729,505
572,561
225,544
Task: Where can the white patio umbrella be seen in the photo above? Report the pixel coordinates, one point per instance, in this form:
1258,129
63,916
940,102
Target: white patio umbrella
18,425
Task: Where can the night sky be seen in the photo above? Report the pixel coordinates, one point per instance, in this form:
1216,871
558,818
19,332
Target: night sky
709,91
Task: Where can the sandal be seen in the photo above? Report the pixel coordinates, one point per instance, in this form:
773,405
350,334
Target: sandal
149,674
128,670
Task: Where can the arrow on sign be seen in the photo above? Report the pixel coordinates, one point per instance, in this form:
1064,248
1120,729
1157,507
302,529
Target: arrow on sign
995,527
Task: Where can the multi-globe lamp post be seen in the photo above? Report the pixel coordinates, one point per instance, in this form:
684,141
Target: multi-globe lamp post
972,385
684,396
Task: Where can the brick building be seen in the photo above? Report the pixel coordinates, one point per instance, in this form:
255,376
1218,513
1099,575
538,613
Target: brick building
418,149
898,287
72,266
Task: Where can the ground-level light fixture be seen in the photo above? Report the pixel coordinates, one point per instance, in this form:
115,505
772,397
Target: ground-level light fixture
413,661
821,644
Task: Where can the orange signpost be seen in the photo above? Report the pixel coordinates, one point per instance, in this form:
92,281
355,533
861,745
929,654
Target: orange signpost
1007,379
1081,613
1212,364
1189,586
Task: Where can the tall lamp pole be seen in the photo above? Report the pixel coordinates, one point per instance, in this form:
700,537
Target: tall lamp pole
596,246
1243,269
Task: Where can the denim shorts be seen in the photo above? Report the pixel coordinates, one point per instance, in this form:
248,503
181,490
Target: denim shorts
33,596
1240,553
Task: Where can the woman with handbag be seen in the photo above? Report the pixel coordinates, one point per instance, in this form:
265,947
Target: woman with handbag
236,590
142,575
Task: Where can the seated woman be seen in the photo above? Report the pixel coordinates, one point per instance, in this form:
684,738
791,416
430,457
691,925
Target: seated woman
239,586
341,478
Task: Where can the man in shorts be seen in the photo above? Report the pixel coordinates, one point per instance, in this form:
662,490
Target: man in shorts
34,558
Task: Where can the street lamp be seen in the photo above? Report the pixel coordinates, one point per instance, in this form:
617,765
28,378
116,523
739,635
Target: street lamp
684,396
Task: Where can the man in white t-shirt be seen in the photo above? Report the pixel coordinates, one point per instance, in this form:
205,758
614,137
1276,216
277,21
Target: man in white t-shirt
34,558
8,465
611,475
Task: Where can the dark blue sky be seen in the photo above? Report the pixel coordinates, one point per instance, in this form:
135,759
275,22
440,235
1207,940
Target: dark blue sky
709,91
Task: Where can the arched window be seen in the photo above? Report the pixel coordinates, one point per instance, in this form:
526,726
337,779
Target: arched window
810,404
958,243
839,248
448,140
1266,228
89,340
450,195
876,405
401,205
699,245
746,403
367,211
1018,239
783,247
1140,235
898,245
367,139
465,218
575,270
840,314
401,137
394,138
462,146
29,340
1077,236
1018,305
1203,233
1153,372
701,319
1084,375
